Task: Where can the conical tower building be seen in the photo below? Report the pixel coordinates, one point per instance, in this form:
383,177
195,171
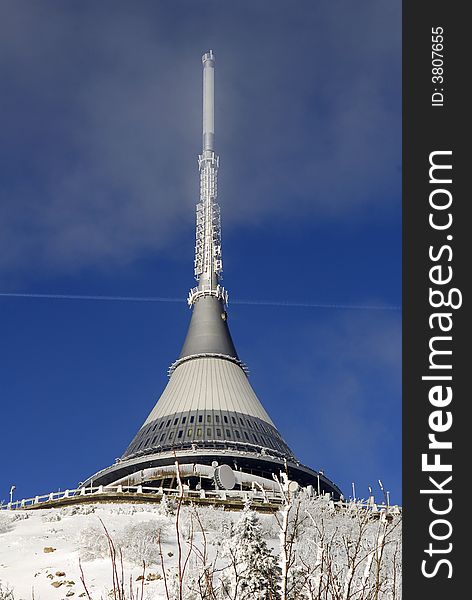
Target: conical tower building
208,417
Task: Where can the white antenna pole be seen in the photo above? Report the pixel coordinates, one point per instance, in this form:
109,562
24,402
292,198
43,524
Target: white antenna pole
208,61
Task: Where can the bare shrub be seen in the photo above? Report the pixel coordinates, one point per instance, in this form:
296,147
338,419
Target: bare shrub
19,515
138,541
51,516
6,592
6,524
92,543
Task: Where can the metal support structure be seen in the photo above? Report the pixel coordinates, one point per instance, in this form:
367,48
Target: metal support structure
208,262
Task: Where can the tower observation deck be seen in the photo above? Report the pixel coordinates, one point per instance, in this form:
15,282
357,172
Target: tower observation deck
208,418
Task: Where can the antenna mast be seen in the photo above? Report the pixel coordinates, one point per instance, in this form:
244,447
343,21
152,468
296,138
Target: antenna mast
208,262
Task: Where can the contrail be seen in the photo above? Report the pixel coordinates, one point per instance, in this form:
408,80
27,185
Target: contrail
83,297
319,305
282,303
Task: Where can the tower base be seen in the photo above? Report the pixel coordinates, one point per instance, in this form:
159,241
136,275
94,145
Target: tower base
199,470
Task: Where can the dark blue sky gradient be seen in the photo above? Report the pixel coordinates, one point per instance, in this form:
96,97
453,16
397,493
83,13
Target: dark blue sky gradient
100,129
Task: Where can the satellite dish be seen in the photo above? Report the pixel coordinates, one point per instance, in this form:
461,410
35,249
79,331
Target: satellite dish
293,486
224,477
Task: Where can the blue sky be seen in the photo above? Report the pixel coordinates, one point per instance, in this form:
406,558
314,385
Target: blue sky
100,128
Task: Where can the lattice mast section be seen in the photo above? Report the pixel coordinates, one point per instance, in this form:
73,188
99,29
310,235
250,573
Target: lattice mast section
208,262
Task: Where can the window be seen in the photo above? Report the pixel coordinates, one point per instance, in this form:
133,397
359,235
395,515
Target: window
225,419
163,436
192,418
189,433
179,435
241,421
246,435
234,420
200,418
161,425
254,436
168,423
154,428
249,423
154,440
237,434
218,432
208,418
217,418
183,420
208,432
228,433
176,421
199,432
171,435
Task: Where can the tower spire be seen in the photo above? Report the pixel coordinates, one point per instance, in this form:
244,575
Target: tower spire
208,412
208,263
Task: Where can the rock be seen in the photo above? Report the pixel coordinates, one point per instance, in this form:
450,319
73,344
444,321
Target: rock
170,554
49,549
60,574
140,578
57,584
70,593
153,576
50,575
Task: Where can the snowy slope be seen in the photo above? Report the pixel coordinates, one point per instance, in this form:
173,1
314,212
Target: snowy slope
28,564
40,550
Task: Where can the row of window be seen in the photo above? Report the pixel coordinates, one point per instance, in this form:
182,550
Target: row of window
217,419
218,426
179,436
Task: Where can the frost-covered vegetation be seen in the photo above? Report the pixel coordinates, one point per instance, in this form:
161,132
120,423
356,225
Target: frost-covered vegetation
6,592
311,549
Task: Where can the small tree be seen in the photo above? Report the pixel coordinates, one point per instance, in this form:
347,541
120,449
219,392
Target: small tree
253,572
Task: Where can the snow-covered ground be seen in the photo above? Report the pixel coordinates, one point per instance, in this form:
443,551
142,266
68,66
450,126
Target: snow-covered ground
41,550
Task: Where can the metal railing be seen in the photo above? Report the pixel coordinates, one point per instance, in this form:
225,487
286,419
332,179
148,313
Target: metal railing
215,496
139,490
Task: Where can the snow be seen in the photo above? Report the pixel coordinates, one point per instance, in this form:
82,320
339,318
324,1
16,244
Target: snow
73,533
342,552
